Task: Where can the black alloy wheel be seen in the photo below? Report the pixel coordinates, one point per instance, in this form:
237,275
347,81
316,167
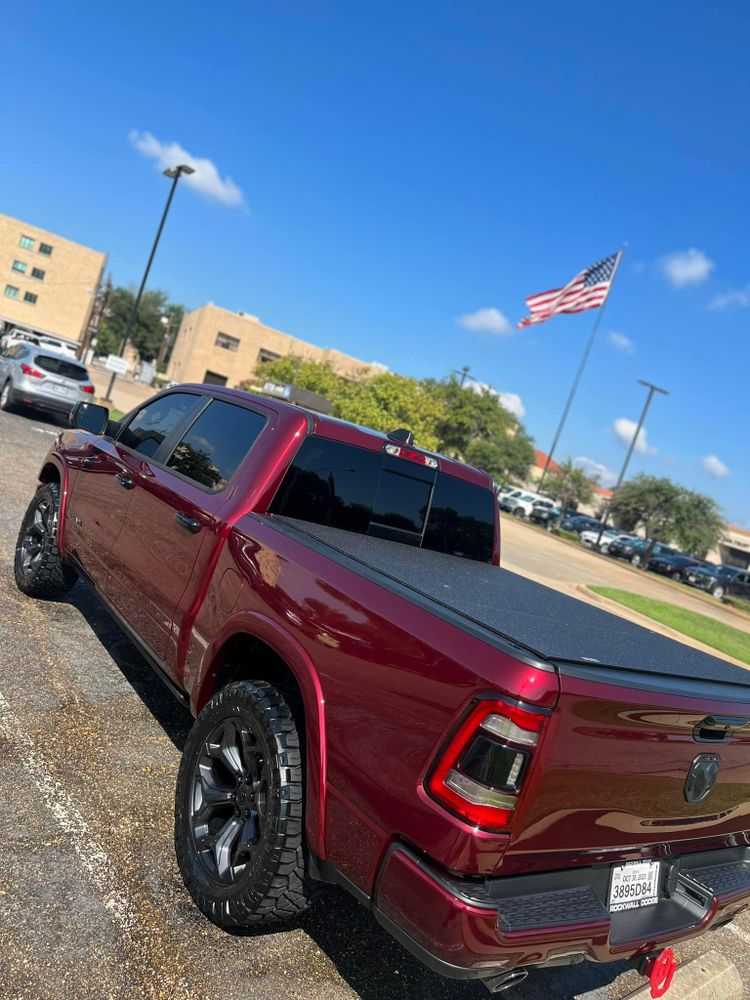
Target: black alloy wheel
38,567
239,826
229,791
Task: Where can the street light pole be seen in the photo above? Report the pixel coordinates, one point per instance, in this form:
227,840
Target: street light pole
174,173
651,390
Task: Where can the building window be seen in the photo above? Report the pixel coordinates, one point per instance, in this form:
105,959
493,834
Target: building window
18,265
227,342
38,273
30,298
45,248
213,378
26,242
12,292
265,356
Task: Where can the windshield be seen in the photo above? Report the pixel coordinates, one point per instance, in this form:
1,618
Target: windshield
372,493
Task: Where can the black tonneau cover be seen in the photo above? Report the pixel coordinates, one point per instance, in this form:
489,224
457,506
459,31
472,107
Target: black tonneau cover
560,629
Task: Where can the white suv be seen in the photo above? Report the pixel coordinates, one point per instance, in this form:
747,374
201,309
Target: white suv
521,502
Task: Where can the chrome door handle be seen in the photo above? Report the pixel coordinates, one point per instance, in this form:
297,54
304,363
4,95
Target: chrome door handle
191,524
89,460
124,480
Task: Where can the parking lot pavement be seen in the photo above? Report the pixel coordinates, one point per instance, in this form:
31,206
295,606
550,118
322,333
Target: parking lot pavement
532,552
91,902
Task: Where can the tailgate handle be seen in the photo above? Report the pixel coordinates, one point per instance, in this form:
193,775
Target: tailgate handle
718,728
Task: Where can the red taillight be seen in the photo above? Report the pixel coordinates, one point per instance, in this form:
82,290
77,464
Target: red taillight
399,451
28,370
87,388
481,774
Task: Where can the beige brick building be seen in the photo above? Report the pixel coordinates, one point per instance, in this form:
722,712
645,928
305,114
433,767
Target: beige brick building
47,283
221,347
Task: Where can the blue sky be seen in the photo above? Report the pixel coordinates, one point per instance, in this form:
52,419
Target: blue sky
381,170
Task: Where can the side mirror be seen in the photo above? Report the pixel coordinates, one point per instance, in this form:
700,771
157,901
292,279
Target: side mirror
89,417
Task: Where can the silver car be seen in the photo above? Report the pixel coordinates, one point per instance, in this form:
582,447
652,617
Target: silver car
32,376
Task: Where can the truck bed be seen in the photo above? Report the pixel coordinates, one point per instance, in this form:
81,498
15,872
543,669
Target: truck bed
563,632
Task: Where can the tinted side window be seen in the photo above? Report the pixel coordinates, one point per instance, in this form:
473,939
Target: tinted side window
330,483
462,520
156,420
216,443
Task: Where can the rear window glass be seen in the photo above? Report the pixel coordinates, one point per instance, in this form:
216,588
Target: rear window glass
377,494
59,366
216,443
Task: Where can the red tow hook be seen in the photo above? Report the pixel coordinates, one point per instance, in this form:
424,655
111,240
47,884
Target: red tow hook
660,971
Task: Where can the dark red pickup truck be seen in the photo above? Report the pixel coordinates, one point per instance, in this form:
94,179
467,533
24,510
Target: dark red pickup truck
505,776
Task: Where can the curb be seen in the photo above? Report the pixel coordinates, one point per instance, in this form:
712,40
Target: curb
709,977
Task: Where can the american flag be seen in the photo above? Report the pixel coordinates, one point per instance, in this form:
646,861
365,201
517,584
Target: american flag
587,290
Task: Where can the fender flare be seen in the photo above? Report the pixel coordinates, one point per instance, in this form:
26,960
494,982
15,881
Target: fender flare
260,626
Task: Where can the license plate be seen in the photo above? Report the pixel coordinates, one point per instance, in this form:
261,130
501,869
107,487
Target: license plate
62,389
634,885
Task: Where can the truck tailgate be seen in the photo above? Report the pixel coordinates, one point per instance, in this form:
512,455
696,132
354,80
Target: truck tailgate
616,774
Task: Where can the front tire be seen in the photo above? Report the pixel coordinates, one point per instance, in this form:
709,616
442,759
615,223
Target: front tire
38,567
519,512
239,809
635,560
718,592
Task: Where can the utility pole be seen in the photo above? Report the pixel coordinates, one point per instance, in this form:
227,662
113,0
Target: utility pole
174,173
651,390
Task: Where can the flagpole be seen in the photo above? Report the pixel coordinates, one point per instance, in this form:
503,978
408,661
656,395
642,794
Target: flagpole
582,365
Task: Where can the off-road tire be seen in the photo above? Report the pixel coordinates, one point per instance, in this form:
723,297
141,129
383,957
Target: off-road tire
274,885
47,575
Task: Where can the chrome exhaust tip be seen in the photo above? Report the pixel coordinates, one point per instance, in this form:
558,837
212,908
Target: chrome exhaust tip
506,980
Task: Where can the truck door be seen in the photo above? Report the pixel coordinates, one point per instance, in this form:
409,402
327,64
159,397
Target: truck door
174,521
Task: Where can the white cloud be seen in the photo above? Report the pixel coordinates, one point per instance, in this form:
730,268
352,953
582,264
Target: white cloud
686,267
734,297
510,400
206,179
513,403
594,468
486,320
714,466
620,342
625,429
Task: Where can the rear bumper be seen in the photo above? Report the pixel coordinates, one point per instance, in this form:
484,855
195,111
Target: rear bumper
474,930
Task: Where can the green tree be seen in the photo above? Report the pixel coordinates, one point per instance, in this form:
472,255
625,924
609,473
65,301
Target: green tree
668,512
148,330
570,486
505,457
442,416
699,524
648,502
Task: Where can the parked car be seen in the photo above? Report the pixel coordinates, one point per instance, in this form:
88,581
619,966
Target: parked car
580,522
51,344
32,376
673,565
738,586
714,579
520,502
634,549
379,705
544,512
590,538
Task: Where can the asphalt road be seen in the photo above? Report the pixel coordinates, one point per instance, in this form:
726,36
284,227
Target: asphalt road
91,902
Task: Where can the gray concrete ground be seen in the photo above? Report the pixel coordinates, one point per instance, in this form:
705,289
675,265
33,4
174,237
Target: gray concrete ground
91,903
